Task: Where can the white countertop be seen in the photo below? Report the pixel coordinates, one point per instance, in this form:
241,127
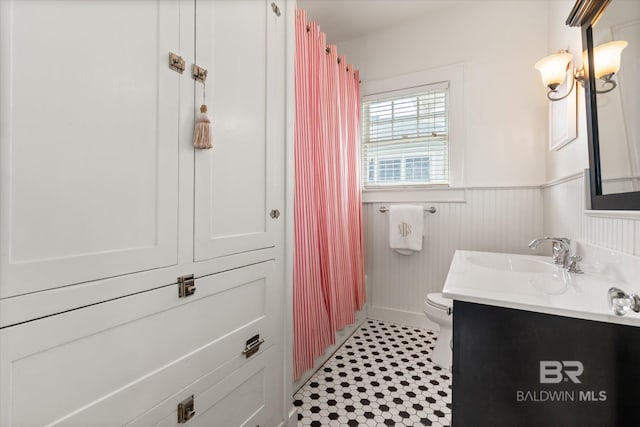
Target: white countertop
533,283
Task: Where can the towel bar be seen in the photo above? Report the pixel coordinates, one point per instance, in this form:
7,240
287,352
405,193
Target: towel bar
432,209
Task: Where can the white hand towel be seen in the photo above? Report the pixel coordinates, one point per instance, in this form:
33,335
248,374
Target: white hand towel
406,227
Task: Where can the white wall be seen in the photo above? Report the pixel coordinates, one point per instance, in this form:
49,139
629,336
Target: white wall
506,145
505,112
573,157
498,42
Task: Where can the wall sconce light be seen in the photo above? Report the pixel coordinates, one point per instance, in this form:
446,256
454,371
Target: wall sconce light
606,62
553,68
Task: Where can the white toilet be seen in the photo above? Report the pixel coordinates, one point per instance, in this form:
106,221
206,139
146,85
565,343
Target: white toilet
440,310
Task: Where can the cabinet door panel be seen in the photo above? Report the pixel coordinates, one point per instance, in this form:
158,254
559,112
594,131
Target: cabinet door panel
88,141
237,183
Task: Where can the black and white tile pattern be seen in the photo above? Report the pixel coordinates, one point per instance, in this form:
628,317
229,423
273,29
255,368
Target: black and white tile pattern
381,376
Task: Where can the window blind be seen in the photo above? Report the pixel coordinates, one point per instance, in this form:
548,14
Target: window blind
405,137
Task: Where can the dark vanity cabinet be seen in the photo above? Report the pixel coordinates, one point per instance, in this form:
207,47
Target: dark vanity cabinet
520,368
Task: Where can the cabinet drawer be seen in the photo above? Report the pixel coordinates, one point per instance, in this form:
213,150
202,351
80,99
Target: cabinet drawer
110,363
242,398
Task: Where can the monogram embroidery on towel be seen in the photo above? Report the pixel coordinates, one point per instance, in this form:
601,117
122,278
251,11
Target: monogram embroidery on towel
404,229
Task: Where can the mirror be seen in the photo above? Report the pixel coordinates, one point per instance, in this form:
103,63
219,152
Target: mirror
619,109
613,115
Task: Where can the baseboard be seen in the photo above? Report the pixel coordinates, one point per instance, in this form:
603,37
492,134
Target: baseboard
292,419
341,337
418,320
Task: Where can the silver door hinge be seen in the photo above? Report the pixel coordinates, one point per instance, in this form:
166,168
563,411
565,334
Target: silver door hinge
186,286
176,62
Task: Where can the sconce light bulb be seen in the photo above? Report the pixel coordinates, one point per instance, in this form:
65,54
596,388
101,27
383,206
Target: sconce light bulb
606,58
553,69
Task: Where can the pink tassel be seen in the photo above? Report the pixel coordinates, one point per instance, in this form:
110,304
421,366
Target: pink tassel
202,138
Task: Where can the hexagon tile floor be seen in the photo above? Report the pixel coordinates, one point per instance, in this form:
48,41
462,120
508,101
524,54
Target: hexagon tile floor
381,376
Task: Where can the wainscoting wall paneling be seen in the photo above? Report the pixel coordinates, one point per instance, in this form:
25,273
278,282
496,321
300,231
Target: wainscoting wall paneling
564,214
489,219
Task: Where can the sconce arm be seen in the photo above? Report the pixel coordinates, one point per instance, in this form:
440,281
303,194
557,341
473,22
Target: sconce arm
610,82
576,75
555,91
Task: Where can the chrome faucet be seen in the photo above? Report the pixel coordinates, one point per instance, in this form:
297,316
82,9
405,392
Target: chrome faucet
561,253
621,302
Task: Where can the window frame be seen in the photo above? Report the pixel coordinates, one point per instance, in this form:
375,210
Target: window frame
399,136
454,76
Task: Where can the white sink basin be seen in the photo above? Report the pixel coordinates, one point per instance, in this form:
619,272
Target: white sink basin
534,283
510,263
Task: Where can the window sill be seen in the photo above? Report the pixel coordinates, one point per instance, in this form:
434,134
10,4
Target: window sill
416,194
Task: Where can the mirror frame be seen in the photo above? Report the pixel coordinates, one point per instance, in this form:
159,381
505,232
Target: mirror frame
585,14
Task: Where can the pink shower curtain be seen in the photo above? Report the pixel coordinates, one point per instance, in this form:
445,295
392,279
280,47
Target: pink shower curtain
328,269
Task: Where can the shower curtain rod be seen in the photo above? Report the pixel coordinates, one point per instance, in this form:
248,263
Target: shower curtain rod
328,50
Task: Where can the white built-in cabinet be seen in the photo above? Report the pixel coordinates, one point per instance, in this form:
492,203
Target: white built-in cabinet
233,200
104,205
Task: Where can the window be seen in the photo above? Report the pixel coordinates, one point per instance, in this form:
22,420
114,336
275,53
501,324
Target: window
417,169
405,137
389,170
